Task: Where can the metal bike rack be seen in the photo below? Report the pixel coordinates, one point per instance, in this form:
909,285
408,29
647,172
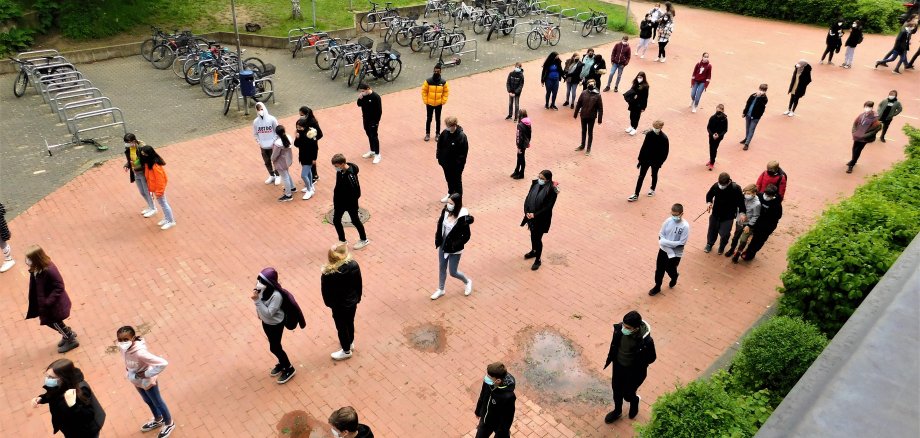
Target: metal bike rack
563,14
63,97
103,101
75,138
239,96
582,21
294,34
65,86
474,50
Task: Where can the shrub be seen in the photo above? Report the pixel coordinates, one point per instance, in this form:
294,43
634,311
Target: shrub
878,15
706,408
90,19
12,38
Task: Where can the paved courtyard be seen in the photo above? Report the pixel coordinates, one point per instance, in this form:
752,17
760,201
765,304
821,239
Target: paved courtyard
418,364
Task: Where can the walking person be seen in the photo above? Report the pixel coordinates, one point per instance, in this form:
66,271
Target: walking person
345,197
716,128
452,233
136,172
572,73
263,129
538,214
434,96
371,111
156,183
75,411
495,406
514,85
887,110
636,101
745,223
655,15
645,35
451,153
307,142
801,77
900,49
865,128
671,240
342,287
753,110
522,143
632,350
48,299
277,309
833,41
306,114
773,175
699,81
591,106
282,158
143,368
619,59
5,237
652,155
344,422
724,201
855,39
665,29
549,79
771,211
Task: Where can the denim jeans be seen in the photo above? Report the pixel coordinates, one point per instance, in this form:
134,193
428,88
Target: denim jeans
750,125
514,106
618,69
155,401
167,210
552,88
643,46
141,182
306,174
285,175
571,90
696,92
452,260
894,54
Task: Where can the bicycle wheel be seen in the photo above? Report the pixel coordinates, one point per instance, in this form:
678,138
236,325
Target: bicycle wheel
264,91
212,82
355,72
297,46
179,63
403,38
554,35
254,64
323,60
228,97
361,75
334,70
601,25
534,39
22,81
507,30
522,8
587,28
394,67
192,70
162,57
369,21
416,43
147,48
457,42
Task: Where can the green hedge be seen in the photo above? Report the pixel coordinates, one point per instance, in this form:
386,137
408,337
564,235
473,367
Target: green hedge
878,15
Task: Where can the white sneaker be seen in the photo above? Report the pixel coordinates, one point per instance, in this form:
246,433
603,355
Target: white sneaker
340,355
161,222
362,243
445,198
791,113
307,195
642,57
662,60
168,225
658,59
469,287
277,180
437,294
632,132
693,110
7,265
149,213
628,128
651,193
786,113
304,190
368,154
376,158
271,179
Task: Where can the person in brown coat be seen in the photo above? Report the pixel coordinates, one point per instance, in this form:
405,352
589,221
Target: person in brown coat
591,107
48,300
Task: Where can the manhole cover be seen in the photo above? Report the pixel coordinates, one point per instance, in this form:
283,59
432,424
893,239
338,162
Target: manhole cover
363,214
430,338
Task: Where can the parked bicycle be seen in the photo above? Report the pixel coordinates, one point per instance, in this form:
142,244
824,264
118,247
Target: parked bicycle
30,67
465,12
374,16
264,87
164,54
543,30
384,63
503,22
308,38
400,25
349,55
596,22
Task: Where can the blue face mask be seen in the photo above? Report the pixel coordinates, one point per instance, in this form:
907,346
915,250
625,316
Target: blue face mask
675,218
51,382
541,181
488,381
626,331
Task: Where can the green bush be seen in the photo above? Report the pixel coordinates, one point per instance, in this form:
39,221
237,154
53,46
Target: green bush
878,15
14,38
706,408
775,355
91,19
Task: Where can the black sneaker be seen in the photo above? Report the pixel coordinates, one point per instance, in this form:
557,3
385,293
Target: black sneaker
166,430
730,252
654,291
613,416
616,89
286,375
536,265
151,425
554,107
530,255
69,344
634,408
672,283
276,370
285,198
509,117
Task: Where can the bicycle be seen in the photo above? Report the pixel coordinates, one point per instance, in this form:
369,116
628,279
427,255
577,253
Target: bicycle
464,12
596,22
29,67
434,7
542,31
369,20
317,40
504,22
425,37
165,53
454,40
264,88
156,39
397,26
349,55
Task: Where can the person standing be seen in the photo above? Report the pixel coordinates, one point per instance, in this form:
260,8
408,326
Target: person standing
451,235
773,175
865,127
724,201
598,70
156,182
48,299
522,143
753,110
645,35
771,211
263,129
75,411
495,407
342,287
745,223
671,240
900,49
665,29
344,422
345,197
619,59
855,38
587,65
632,350
5,237
591,106
655,15
834,40
572,69
717,127
307,114
136,172
538,213
434,96
801,77
699,81
514,85
549,78
371,111
451,153
887,110
282,158
307,143
277,309
142,369
636,101
652,155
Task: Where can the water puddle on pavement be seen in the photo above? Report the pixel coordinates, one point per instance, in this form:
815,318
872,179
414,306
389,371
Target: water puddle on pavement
553,368
299,424
429,338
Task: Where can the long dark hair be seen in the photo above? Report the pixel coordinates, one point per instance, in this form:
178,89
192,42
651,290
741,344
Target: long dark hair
149,157
635,82
70,377
282,134
307,115
458,204
130,137
550,59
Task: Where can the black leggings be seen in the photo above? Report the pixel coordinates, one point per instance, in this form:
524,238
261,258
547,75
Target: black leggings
713,148
274,333
793,101
857,151
661,46
437,116
521,162
536,243
344,318
587,128
829,52
634,116
885,125
643,169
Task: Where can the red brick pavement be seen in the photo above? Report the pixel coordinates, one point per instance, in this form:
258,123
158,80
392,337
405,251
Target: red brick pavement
191,284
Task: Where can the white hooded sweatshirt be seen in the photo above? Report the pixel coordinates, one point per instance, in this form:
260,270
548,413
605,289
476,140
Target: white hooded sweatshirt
263,128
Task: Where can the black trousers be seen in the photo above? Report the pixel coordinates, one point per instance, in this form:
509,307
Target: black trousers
521,161
436,110
664,264
713,148
355,220
587,128
643,169
760,238
634,116
737,239
831,48
267,160
721,228
913,58
453,174
486,430
661,46
793,101
857,151
274,333
536,242
625,382
885,125
344,318
63,329
371,131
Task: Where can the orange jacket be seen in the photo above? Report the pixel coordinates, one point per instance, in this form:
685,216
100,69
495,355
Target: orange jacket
156,179
435,92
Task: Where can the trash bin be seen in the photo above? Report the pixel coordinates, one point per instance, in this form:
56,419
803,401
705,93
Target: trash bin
247,83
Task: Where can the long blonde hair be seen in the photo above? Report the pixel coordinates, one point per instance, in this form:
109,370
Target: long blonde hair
338,256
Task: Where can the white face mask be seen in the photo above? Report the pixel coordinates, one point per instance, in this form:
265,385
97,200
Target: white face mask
892,97
768,197
541,181
722,186
749,197
336,433
124,345
854,25
28,262
639,80
261,113
450,207
259,286
867,109
656,130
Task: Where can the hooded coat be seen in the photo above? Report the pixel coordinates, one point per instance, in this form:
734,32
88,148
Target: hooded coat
347,188
452,148
495,406
770,213
797,87
282,157
549,74
655,149
522,137
342,288
458,236
435,91
263,129
643,353
540,201
48,300
83,419
777,178
515,82
293,316
137,360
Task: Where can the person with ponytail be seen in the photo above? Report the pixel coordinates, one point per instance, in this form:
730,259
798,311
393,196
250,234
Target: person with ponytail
75,412
156,183
282,158
142,369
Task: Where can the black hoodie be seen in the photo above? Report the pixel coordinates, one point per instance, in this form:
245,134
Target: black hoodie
347,188
308,148
496,404
452,148
770,213
727,202
83,419
342,288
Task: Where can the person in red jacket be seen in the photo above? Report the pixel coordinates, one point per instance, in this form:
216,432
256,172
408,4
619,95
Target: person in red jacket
699,81
48,300
156,183
619,59
773,175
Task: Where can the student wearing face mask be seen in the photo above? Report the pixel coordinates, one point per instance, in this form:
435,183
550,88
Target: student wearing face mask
655,16
495,407
434,96
282,158
753,110
75,411
263,129
773,175
156,182
900,49
646,27
665,29
549,78
598,70
452,233
277,309
745,223
342,287
587,62
307,142
48,299
717,127
5,236
671,241
591,107
619,59
652,155
345,197
632,350
855,38
143,368
522,143
538,213
865,128
514,85
136,172
636,101
344,424
887,110
801,77
371,111
834,40
771,211
723,202
699,81
572,69
451,154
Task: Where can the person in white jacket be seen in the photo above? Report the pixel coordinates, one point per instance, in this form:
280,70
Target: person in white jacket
671,240
263,129
142,370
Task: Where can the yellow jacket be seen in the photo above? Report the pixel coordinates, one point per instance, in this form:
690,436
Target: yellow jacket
435,91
